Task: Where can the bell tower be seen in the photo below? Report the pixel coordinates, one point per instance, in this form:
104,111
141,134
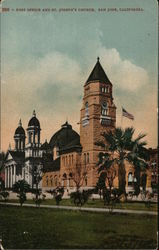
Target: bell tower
98,115
33,133
19,138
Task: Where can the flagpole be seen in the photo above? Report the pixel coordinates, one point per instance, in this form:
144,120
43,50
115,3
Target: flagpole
121,118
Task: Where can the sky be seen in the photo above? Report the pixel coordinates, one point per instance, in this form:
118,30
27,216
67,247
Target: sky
47,56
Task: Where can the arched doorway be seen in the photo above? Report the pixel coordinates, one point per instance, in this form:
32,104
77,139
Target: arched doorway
64,180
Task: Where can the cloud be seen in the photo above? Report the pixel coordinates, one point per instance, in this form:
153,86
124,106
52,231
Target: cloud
145,114
53,73
123,73
53,85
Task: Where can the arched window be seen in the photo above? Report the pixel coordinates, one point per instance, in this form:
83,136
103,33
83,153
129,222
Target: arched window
51,180
65,179
86,180
72,159
55,180
64,160
130,179
70,180
86,109
55,152
65,176
30,137
69,160
144,181
87,157
104,109
84,158
47,181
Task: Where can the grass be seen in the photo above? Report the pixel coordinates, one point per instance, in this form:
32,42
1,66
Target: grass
134,205
51,228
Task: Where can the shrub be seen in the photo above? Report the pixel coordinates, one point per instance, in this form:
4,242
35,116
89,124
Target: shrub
81,197
5,195
57,194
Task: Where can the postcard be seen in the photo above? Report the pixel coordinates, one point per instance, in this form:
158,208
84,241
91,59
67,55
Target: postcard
79,156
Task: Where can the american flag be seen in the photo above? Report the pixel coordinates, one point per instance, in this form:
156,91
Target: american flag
126,114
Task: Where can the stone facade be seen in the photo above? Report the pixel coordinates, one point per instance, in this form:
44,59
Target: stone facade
97,115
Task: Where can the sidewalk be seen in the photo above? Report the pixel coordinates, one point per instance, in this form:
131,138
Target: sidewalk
88,209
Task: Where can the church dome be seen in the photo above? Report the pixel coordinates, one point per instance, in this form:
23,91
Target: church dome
64,137
34,122
19,130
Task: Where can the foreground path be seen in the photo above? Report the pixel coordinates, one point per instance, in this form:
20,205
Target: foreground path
88,209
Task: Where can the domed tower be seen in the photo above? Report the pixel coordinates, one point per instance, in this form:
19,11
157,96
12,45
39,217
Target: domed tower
33,134
62,138
19,137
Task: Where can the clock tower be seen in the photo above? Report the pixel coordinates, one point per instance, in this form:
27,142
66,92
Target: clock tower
98,115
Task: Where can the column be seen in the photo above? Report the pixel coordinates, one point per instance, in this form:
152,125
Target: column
28,135
5,177
19,144
15,173
34,136
11,176
8,176
23,144
38,137
67,182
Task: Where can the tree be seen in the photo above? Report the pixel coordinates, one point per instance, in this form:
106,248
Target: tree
79,174
138,156
121,147
100,185
37,173
2,184
21,187
2,159
107,175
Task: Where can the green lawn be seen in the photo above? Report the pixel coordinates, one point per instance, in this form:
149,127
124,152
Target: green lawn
99,203
51,228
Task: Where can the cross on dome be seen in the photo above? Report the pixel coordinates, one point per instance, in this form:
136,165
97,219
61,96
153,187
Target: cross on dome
34,114
20,123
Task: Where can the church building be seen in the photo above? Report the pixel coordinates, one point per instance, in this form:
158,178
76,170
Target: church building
26,157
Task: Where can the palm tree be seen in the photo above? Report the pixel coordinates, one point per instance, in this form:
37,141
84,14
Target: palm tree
21,187
138,157
121,147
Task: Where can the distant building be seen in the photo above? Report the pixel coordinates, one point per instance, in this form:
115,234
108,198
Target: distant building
20,162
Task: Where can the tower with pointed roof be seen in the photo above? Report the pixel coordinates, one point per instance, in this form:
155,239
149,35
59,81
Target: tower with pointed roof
98,115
